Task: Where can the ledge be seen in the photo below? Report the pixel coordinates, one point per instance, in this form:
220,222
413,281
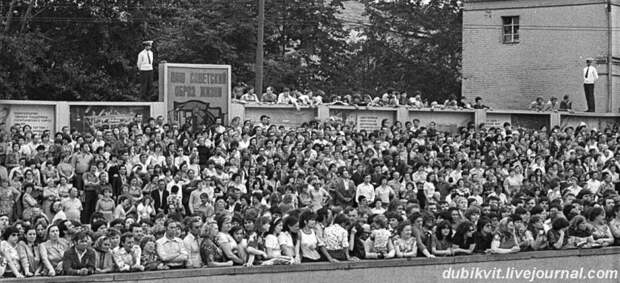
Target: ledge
590,114
510,111
269,105
365,264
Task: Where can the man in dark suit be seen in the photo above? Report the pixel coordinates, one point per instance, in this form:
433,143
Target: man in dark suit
160,197
358,174
79,259
344,191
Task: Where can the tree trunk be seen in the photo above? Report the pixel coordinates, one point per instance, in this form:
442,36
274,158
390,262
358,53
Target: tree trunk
9,16
26,17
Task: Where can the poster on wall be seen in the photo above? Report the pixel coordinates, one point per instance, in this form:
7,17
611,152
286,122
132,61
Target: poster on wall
368,120
209,84
85,118
38,117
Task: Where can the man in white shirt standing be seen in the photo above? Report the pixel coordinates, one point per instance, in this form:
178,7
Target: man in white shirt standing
145,66
589,77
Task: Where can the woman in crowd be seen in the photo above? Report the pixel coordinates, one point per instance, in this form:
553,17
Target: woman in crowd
8,249
463,239
105,205
287,239
227,242
28,251
600,230
557,235
103,255
29,203
442,240
52,251
580,233
310,248
535,234
505,239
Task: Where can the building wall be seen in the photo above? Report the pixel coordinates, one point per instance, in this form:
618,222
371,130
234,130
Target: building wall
555,39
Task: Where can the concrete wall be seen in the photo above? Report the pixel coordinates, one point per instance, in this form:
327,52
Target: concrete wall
280,114
61,109
369,117
555,39
446,120
398,270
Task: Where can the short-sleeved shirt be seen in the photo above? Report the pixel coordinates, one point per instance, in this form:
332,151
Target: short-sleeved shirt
271,242
336,237
310,244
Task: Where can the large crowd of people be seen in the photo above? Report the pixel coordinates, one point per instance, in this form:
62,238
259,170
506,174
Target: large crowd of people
154,196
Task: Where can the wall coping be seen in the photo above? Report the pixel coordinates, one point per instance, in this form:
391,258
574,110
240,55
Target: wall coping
78,103
590,114
308,267
510,111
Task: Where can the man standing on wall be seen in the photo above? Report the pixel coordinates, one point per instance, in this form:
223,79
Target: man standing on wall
145,66
589,77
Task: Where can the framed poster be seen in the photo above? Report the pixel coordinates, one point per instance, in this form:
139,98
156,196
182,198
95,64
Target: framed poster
101,117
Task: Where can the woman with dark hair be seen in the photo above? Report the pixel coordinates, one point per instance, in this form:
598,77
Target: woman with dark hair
442,240
287,239
272,247
310,248
226,242
463,240
28,251
557,236
28,201
600,231
257,246
8,248
580,233
483,235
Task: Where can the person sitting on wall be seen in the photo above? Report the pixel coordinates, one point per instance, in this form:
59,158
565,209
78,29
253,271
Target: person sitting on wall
566,104
478,104
451,103
250,96
269,96
288,97
552,104
464,103
416,100
537,105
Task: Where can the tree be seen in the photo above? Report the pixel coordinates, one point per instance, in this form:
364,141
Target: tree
409,46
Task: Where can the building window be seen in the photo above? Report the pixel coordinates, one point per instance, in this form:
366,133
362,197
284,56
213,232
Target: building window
510,32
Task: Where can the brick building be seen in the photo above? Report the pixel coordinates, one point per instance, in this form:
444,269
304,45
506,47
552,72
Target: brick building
517,50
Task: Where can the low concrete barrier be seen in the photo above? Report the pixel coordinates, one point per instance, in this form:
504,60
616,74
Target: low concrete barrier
586,265
42,115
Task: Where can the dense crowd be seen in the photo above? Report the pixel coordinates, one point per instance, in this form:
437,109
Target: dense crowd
155,196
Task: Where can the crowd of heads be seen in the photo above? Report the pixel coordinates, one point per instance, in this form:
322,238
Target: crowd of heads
390,98
153,195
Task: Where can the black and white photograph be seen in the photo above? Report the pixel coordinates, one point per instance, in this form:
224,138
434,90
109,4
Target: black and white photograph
309,141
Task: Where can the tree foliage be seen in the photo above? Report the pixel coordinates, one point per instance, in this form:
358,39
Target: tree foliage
86,49
409,46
